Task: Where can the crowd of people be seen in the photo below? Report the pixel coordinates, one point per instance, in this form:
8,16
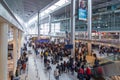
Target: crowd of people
57,53
106,49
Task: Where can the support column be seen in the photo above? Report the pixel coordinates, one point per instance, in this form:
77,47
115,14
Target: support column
119,36
50,23
3,51
89,25
84,35
54,27
14,49
73,26
89,48
90,19
19,43
38,25
100,35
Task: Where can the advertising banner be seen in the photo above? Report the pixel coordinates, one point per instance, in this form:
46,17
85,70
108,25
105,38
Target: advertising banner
82,12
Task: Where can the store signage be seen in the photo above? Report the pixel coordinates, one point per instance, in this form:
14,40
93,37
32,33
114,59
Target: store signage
82,12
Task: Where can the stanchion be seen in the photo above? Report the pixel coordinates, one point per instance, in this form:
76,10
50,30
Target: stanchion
37,72
39,78
49,73
26,77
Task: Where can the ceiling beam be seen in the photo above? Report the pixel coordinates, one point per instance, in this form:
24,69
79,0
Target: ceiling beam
54,1
8,9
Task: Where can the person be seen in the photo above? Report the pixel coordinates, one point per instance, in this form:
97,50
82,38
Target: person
11,75
17,72
84,60
65,66
68,66
96,62
88,73
99,70
24,66
60,68
80,74
73,68
41,54
56,74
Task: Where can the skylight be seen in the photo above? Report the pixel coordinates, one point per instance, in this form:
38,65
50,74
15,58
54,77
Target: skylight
47,10
52,8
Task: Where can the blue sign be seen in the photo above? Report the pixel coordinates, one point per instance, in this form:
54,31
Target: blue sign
82,12
69,46
42,41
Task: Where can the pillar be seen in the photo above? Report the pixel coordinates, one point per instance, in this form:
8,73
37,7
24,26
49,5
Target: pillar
89,48
73,26
90,19
119,35
38,25
19,43
14,49
89,25
54,28
100,35
50,23
3,51
84,35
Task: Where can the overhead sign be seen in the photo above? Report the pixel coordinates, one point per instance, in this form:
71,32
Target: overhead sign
82,12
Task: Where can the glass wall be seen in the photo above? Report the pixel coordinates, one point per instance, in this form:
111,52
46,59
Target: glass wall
103,19
44,30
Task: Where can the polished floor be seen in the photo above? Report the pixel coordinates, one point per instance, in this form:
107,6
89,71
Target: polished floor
36,71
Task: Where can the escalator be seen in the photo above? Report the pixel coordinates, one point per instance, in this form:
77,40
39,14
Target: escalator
109,68
115,77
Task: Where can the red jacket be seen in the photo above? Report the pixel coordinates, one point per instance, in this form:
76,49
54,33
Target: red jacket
81,71
88,71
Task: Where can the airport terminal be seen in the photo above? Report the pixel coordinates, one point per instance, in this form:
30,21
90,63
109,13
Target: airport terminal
59,39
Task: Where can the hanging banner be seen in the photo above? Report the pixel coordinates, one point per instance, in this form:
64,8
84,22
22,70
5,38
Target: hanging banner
82,12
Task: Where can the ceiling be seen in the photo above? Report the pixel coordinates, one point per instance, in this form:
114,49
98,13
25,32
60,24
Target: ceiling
61,10
26,9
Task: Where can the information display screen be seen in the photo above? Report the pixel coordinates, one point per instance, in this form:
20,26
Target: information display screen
82,12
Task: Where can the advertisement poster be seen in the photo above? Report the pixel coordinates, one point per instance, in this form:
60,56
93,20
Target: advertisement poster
82,12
